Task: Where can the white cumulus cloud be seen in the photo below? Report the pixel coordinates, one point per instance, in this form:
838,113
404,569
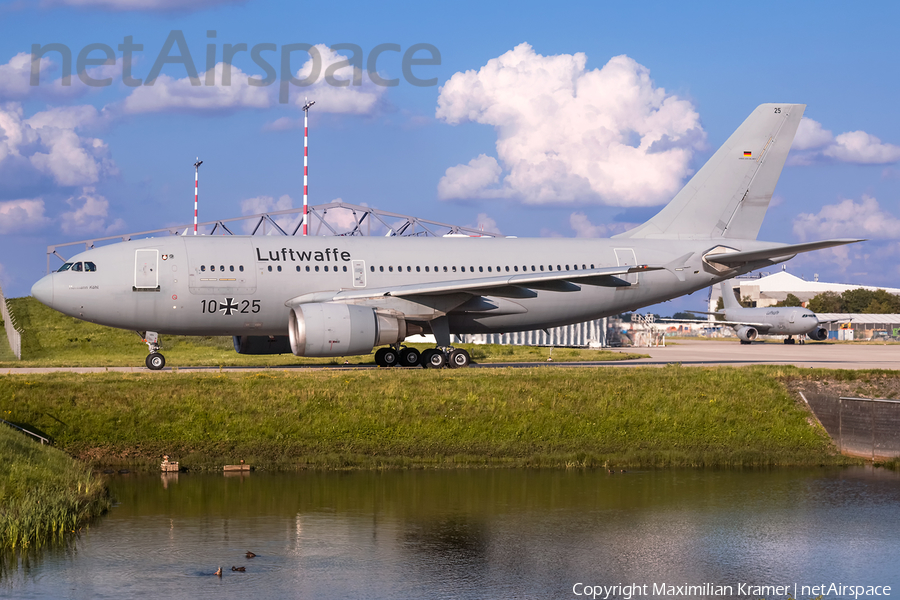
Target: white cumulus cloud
583,228
142,5
848,218
18,216
47,145
478,179
168,93
566,134
813,143
267,204
89,214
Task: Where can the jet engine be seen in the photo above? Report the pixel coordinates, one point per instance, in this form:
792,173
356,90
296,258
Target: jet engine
819,334
332,329
262,344
747,334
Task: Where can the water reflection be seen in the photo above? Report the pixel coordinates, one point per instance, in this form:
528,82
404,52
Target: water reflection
476,534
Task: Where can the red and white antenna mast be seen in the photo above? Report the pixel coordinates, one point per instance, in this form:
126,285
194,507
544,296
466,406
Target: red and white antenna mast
306,108
196,189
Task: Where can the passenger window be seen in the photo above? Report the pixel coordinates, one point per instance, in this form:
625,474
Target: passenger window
326,268
222,268
445,269
231,268
241,268
409,269
372,268
426,269
391,269
202,267
567,267
89,266
481,269
307,268
418,269
381,269
489,269
345,268
532,268
279,268
453,269
270,268
213,268
516,268
317,268
298,268
592,266
507,268
65,267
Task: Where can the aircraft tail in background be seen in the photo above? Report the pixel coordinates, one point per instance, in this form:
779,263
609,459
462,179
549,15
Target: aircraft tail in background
729,196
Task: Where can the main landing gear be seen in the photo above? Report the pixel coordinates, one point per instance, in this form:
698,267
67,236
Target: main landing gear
789,340
432,358
155,361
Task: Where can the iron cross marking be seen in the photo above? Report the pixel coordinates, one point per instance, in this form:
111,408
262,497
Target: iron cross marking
229,306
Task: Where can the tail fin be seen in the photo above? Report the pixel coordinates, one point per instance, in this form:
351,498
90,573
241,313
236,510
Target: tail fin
729,196
729,300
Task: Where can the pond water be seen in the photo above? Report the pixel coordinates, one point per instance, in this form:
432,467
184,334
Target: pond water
483,534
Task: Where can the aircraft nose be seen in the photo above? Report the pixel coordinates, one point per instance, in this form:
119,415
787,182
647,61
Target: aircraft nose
43,290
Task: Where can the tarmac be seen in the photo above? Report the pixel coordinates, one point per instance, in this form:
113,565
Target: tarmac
689,353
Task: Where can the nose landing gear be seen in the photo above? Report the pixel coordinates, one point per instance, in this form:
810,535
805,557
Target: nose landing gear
155,361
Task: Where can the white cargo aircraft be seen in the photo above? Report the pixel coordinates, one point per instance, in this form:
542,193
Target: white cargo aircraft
749,323
338,296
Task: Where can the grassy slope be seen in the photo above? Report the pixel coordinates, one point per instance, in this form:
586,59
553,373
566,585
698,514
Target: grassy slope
533,417
53,339
44,494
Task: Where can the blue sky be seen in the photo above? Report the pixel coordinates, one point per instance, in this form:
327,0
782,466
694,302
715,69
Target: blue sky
539,124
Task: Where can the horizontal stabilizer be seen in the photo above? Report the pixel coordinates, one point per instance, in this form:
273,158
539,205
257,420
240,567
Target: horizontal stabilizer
736,259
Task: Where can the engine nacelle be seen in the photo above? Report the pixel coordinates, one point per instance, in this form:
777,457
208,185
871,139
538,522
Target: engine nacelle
747,334
262,344
332,329
819,334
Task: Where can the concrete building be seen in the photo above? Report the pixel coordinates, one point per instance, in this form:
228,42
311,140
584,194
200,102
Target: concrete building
768,290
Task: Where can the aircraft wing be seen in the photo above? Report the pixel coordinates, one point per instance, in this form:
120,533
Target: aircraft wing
735,259
561,281
729,323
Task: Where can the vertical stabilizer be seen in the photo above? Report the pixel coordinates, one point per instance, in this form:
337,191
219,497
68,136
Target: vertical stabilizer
729,196
729,300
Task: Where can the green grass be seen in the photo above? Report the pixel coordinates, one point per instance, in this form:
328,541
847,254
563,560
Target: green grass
52,339
45,495
547,417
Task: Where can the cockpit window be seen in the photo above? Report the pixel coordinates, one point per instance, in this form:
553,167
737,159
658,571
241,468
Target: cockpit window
65,267
76,267
89,266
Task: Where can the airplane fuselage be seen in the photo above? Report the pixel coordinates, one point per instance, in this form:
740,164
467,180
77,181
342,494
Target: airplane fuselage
238,285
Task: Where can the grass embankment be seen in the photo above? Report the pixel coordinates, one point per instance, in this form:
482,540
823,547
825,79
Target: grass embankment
44,494
650,417
52,339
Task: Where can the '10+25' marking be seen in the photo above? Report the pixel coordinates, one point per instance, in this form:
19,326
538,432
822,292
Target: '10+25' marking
230,307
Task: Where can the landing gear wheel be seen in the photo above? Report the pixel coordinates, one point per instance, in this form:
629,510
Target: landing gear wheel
155,361
379,357
459,359
391,357
409,357
788,340
433,359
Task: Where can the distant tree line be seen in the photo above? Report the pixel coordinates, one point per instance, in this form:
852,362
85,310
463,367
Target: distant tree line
877,302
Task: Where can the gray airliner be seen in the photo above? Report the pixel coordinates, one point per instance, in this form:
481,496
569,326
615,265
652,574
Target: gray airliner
750,323
340,296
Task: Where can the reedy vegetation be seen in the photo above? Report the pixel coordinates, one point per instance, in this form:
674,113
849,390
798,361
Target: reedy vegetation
44,494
